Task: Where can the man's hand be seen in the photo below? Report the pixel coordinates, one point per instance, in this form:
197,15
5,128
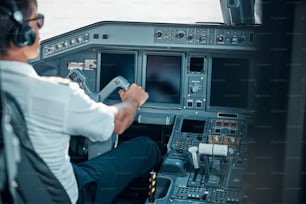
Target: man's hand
132,99
134,93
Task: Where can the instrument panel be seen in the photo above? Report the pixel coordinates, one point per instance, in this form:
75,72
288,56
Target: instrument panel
201,81
181,73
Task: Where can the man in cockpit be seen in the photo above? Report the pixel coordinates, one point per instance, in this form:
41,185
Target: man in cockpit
56,108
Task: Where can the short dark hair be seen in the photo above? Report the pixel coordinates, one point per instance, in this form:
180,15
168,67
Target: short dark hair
6,23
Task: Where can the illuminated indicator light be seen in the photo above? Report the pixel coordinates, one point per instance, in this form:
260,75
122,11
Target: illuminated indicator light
218,123
226,124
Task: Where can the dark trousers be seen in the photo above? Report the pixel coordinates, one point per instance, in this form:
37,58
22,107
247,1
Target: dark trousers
102,178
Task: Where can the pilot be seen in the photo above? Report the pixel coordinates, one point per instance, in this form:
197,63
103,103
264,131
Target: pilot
56,108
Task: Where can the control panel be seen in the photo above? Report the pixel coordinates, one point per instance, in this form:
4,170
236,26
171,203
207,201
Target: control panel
152,34
200,80
202,165
203,36
60,46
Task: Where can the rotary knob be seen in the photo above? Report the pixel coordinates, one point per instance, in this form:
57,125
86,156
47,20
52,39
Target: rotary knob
195,88
180,35
158,34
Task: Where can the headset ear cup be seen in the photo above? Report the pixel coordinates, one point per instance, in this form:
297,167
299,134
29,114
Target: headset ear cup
23,35
29,35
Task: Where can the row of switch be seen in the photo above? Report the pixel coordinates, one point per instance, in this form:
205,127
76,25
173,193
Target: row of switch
197,104
231,124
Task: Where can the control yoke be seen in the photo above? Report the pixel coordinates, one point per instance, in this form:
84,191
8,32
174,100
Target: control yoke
98,148
117,82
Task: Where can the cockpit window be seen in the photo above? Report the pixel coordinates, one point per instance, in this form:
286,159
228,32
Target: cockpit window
68,15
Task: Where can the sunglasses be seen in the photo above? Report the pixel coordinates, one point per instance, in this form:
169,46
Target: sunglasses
40,19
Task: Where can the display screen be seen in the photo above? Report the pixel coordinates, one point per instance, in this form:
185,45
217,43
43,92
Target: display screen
115,64
194,126
230,82
163,78
196,64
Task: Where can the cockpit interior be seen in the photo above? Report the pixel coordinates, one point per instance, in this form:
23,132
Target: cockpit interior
226,101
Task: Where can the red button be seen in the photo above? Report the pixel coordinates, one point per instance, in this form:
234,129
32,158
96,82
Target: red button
218,123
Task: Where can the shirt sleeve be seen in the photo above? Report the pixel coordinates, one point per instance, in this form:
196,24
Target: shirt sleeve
88,118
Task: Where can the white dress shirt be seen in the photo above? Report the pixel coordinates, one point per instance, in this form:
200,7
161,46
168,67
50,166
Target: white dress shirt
54,109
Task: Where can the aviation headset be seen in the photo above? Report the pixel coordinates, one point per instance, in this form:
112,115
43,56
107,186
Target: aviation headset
21,34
